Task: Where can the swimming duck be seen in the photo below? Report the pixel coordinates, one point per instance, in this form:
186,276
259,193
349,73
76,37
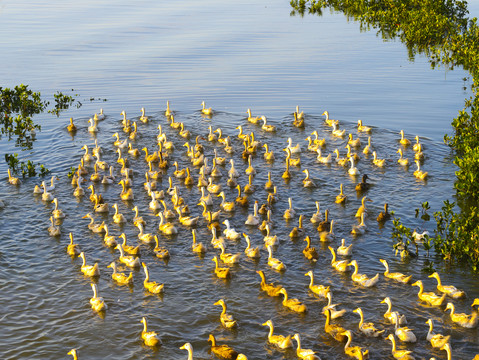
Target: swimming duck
294,149
188,347
268,154
92,128
94,227
317,216
312,146
402,161
395,275
108,239
249,251
450,290
418,173
307,181
228,206
270,289
108,179
197,247
362,209
160,251
97,303
253,119
150,338
287,174
249,188
274,263
46,196
168,111
229,232
126,194
89,270
223,273
399,354
120,278
253,219
368,328
378,162
329,121
128,260
388,315
436,340
206,111
342,161
213,188
464,320
143,117
134,134
429,297
384,215
403,141
362,279
335,330
166,228
350,154
53,230
289,213
221,161
154,204
310,252
270,240
363,128
353,170
226,319
129,249
99,116
339,265
298,119
319,290
173,124
344,250
71,127
282,342
95,177
293,304
333,313
298,230
354,351
267,127
305,354
228,258
336,132
361,228
363,185
353,142
73,249
215,171
403,333
117,217
57,213
340,198
289,160
325,236
151,286
183,132
222,351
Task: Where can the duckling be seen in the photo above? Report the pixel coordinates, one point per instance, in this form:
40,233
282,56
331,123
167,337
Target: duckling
340,198
89,270
206,111
150,338
403,333
99,116
282,342
329,121
342,161
270,289
151,286
378,162
362,279
384,215
395,275
305,354
226,319
319,290
108,239
293,304
71,127
222,273
339,265
307,181
166,228
388,315
253,119
120,278
344,250
418,173
361,228
403,141
97,303
333,313
222,351
325,236
289,213
73,249
268,154
270,240
336,132
354,351
437,340
310,252
57,213
402,161
368,328
429,297
353,142
296,149
335,330
53,230
450,290
399,354
317,216
128,260
464,320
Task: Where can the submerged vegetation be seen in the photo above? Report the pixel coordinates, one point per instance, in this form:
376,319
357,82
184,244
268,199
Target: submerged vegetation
441,31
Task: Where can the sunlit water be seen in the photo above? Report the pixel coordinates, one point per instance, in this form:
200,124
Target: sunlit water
234,56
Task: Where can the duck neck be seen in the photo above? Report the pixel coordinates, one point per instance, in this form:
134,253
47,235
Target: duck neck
347,342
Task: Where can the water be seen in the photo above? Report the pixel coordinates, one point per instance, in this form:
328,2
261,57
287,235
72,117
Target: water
233,56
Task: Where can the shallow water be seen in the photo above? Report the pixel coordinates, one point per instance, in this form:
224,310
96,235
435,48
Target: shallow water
234,56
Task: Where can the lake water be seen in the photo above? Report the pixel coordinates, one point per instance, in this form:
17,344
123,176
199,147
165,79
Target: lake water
234,56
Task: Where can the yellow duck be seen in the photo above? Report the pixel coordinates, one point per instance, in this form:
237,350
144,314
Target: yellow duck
89,270
282,342
197,247
126,194
418,173
403,141
389,316
399,354
97,303
73,249
120,278
293,304
166,228
359,229
71,127
150,338
206,111
270,289
354,351
333,313
94,227
339,265
310,252
402,161
329,121
464,320
450,290
362,279
267,127
128,260
395,275
268,154
144,237
363,128
325,236
226,320
336,331
340,198
223,273
298,231
57,213
319,290
377,161
228,206
151,286
249,251
403,333
367,328
228,258
305,354
253,119
129,249
289,213
222,351
160,251
429,297
117,217
437,340
307,181
274,263
384,215
108,239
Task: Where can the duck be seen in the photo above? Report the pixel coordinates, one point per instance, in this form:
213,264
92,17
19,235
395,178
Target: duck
361,228
160,251
215,171
317,216
418,173
336,132
186,220
403,333
57,213
350,154
97,303
286,174
168,111
249,188
73,249
290,161
253,219
342,161
94,227
293,304
89,270
166,228
53,230
87,157
250,169
150,338
395,275
339,265
270,289
317,141
154,204
197,247
319,290
117,217
307,181
324,225
128,260
312,146
333,313
71,127
388,315
134,134
362,279
429,297
363,185
354,351
310,252
222,273
464,320
437,340
205,110
120,278
213,188
305,354
363,128
95,177
108,239
92,128
126,194
222,351
298,119
329,121
46,196
229,232
267,127
399,354
353,170
143,117
403,141
377,161
129,249
268,154
297,230
151,286
282,342
335,330
362,209
353,142
296,149
270,240
173,124
183,132
368,328
340,198
99,116
450,290
228,206
325,236
73,352
226,319
289,213
274,263
384,215
402,161
344,250
228,258
253,119
249,251
108,179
